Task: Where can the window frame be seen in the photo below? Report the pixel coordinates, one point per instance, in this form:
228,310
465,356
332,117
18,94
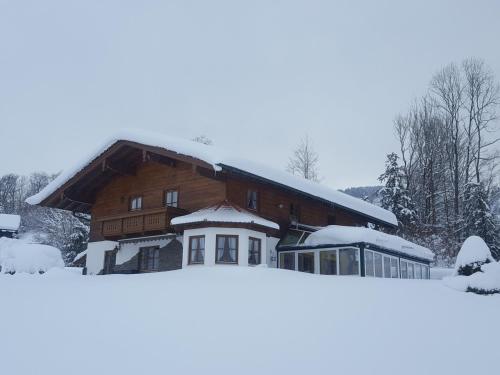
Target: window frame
190,249
259,241
249,192
155,258
217,236
133,198
165,197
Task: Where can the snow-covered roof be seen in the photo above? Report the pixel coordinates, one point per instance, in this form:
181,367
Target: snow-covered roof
219,159
341,235
223,213
10,222
80,255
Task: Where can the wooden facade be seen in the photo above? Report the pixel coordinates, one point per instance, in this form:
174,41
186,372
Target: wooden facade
106,186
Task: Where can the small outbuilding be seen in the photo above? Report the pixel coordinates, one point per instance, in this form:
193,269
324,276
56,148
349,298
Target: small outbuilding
9,225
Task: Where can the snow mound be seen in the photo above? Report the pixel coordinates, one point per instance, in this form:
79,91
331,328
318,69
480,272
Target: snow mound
485,282
17,256
474,250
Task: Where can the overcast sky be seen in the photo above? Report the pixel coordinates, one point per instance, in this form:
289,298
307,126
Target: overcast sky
254,76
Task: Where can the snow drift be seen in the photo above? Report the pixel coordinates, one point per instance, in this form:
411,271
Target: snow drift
18,256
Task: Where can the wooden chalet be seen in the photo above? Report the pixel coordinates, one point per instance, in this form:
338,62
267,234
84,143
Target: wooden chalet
138,182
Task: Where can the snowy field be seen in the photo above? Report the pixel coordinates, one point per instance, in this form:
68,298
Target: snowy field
235,320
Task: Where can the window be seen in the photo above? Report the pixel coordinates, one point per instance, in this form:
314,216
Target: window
328,262
254,252
418,271
196,250
394,268
378,265
425,272
172,198
387,267
109,262
410,271
287,261
349,262
226,249
369,270
252,200
149,259
306,262
135,203
404,270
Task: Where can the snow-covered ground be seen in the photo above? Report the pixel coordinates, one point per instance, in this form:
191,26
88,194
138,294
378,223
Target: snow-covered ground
237,320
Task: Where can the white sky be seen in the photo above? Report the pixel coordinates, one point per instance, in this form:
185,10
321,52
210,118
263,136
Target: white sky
254,76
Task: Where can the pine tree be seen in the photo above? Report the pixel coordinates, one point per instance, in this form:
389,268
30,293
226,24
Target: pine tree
394,195
478,218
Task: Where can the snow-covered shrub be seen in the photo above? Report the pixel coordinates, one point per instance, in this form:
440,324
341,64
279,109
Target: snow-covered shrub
19,256
473,254
487,281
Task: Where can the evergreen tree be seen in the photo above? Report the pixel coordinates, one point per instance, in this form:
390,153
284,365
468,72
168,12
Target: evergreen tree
478,218
394,195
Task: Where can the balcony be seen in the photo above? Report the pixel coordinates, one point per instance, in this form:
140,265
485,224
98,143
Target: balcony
138,222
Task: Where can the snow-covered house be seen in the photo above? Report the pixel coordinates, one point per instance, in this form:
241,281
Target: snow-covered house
159,203
9,225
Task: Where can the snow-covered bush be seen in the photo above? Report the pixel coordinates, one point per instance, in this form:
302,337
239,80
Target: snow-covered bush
487,281
473,254
19,256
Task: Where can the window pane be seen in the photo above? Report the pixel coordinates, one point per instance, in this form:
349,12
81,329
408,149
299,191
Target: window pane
394,268
410,271
378,264
253,251
387,267
418,271
404,270
306,262
287,261
369,270
197,250
292,237
328,262
349,262
252,200
227,249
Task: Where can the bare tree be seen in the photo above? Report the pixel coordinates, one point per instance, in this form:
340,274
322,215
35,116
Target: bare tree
203,139
448,88
482,94
304,161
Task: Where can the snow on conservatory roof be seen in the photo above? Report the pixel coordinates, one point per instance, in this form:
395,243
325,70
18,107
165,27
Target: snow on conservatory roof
223,213
219,161
10,222
341,235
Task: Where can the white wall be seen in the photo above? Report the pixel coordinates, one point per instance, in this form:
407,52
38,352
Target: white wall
210,234
95,255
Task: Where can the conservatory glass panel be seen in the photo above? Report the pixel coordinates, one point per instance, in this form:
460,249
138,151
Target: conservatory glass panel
306,262
328,262
394,268
378,265
349,262
387,267
411,275
404,270
369,270
287,261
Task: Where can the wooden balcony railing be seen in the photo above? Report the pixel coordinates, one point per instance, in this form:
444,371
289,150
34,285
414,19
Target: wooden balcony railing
137,222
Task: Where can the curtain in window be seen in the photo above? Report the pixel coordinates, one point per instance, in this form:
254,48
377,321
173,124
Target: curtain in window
226,249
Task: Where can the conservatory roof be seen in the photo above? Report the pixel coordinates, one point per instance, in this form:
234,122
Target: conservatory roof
342,235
